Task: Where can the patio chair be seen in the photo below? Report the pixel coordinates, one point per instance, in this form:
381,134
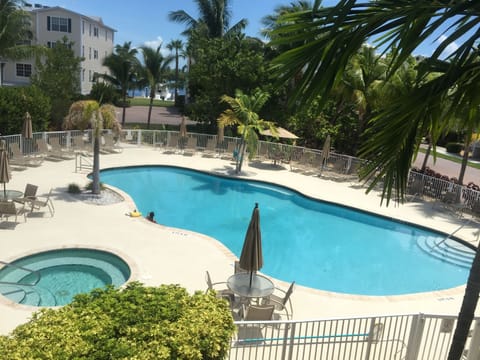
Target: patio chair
280,299
253,312
8,208
80,145
221,293
41,202
237,269
29,194
415,190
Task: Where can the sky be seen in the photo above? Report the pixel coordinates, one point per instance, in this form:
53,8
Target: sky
145,22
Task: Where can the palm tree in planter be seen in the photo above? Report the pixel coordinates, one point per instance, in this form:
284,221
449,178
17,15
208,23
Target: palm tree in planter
243,112
89,114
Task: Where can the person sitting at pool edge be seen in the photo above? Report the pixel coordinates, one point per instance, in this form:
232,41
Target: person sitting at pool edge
150,217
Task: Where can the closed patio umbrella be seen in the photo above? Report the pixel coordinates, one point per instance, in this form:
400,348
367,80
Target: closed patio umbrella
251,258
4,168
183,127
325,152
27,132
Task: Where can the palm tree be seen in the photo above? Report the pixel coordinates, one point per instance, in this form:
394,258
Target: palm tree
176,45
122,65
333,35
213,22
153,71
15,29
244,113
88,113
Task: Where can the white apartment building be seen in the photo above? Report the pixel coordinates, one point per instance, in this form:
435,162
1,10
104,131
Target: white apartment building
92,40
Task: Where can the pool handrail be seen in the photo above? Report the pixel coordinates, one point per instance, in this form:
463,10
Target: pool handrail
38,276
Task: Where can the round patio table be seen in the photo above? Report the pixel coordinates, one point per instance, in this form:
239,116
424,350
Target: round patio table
10,195
240,284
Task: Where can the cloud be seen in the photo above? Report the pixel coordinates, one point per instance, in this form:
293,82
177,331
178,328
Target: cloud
450,47
154,43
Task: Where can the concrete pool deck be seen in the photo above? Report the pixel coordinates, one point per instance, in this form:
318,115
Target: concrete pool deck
163,255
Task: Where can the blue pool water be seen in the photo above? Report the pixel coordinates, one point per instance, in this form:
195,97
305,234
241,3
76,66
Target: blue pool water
61,274
317,244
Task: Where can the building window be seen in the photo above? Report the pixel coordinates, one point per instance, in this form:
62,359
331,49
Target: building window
95,54
83,50
106,35
24,70
90,78
83,74
90,53
51,44
83,27
95,31
90,29
60,24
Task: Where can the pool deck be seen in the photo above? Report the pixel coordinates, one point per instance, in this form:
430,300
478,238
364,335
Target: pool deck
163,255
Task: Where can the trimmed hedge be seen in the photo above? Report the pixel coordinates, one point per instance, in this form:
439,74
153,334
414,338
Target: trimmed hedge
137,322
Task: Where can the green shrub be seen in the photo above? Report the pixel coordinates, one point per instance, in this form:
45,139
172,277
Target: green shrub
454,148
74,189
89,186
15,101
137,322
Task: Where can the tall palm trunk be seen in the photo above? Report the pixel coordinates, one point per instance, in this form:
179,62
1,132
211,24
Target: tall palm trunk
467,311
176,77
124,108
96,163
466,154
149,111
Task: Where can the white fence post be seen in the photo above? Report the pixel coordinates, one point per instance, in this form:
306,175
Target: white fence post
415,338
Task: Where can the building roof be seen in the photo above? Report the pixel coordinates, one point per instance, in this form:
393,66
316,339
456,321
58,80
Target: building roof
45,9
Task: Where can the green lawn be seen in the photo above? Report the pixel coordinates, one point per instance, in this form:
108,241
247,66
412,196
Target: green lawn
453,158
145,102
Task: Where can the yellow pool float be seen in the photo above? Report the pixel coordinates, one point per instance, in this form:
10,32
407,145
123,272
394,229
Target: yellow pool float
135,213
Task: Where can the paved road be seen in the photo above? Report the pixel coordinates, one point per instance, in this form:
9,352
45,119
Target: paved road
449,168
160,115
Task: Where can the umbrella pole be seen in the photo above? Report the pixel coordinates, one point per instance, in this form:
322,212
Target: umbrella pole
5,196
251,277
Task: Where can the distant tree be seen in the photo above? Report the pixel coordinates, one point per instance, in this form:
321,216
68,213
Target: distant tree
213,22
177,46
152,72
123,65
221,66
15,31
58,77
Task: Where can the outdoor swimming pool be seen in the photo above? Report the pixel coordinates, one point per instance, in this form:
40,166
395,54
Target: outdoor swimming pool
317,244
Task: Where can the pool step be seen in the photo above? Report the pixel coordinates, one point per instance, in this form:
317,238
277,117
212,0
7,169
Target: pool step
447,250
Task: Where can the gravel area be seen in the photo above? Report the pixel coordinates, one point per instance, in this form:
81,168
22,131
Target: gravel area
106,197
